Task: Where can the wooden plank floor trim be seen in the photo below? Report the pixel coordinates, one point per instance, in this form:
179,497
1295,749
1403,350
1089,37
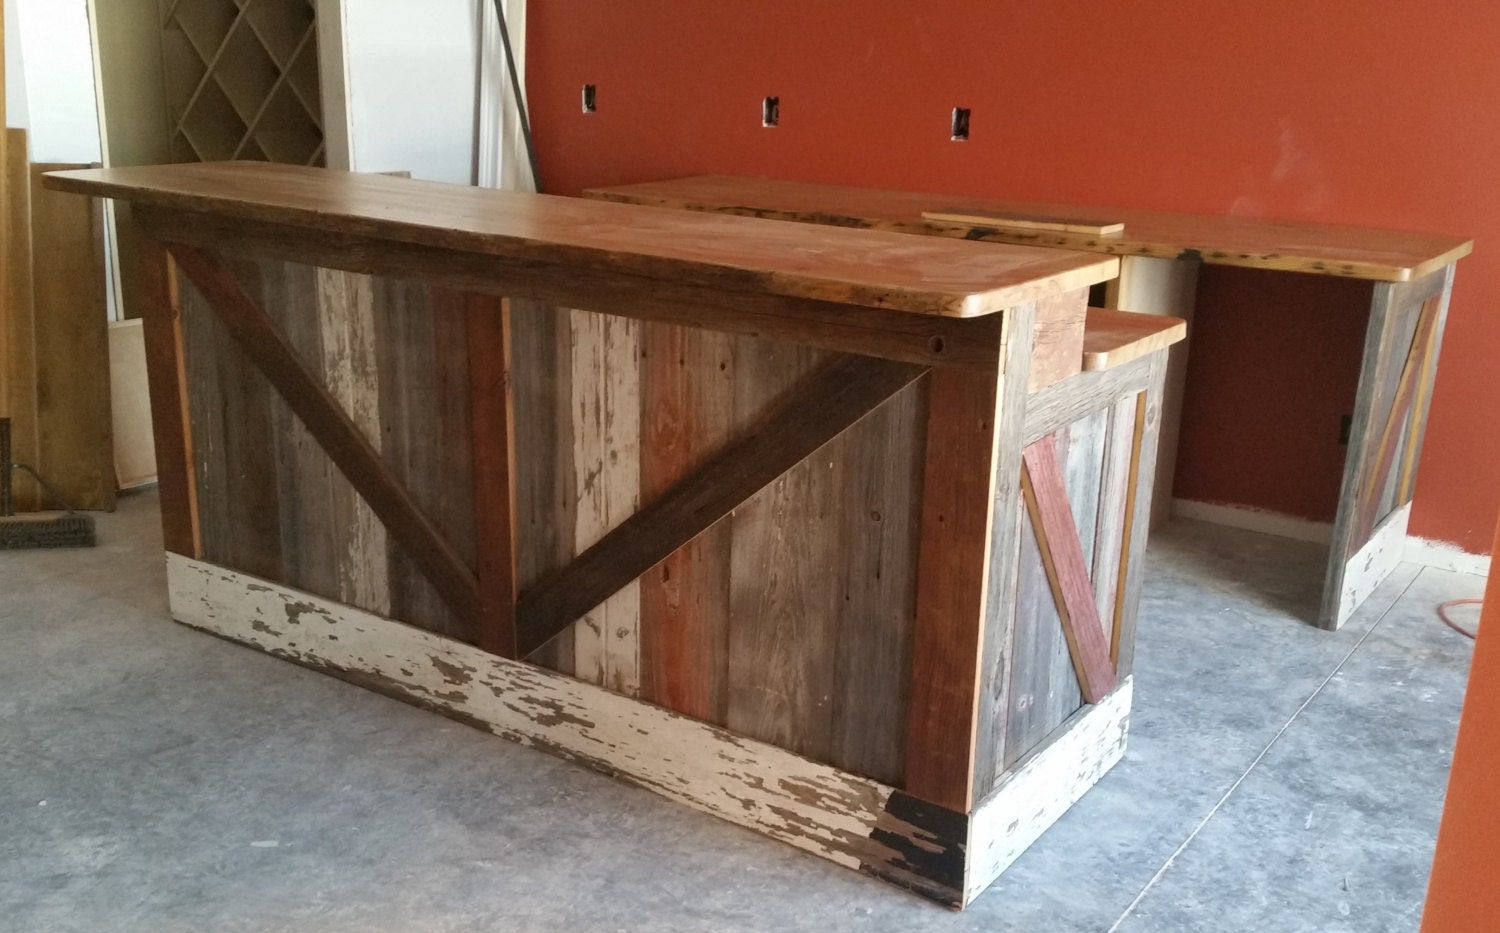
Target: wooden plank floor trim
492,410
965,343
847,819
826,404
1046,494
166,381
334,431
1042,787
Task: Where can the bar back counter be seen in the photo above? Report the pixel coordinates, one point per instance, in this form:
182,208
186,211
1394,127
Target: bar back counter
835,534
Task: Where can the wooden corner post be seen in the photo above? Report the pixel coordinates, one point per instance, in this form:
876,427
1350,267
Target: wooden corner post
969,501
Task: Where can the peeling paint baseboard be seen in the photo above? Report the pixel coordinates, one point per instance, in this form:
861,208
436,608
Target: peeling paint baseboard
1444,556
843,817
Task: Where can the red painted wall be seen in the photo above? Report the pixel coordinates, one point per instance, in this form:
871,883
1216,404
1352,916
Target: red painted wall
1382,113
1463,896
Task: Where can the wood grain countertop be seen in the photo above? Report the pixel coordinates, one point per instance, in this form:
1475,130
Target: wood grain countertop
865,268
1379,255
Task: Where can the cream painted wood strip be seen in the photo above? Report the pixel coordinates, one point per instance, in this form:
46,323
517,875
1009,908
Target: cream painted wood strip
822,810
1253,519
1043,787
1441,555
1369,567
607,471
1170,287
346,326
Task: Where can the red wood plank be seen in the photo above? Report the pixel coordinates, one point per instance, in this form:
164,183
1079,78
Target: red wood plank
491,407
1062,554
166,380
334,431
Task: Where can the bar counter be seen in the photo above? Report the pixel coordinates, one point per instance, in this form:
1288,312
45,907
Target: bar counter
835,534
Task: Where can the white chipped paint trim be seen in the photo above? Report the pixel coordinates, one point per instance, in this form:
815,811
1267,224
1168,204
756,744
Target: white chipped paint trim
814,807
1032,797
1441,555
1368,568
1252,519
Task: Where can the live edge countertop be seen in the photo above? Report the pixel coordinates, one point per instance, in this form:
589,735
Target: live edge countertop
866,268
1293,246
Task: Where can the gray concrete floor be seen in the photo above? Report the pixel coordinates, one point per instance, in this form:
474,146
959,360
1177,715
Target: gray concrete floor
153,778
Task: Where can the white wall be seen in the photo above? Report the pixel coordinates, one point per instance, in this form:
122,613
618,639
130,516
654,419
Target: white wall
58,68
412,70
15,73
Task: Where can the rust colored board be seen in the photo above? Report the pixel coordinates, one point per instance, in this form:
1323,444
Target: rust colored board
958,498
338,435
491,406
915,338
72,346
831,400
166,380
1057,345
621,242
426,438
1112,338
687,415
1052,521
1384,255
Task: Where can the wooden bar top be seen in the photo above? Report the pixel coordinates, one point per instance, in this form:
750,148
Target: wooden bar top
864,268
1379,255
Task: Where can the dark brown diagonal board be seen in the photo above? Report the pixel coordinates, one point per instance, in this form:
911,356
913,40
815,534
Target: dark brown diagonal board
1067,571
838,395
491,407
338,435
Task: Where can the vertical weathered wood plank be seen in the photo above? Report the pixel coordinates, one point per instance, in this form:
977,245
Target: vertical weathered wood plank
310,535
1149,412
606,423
783,611
346,331
546,505
688,413
422,345
1114,486
878,512
491,410
232,420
